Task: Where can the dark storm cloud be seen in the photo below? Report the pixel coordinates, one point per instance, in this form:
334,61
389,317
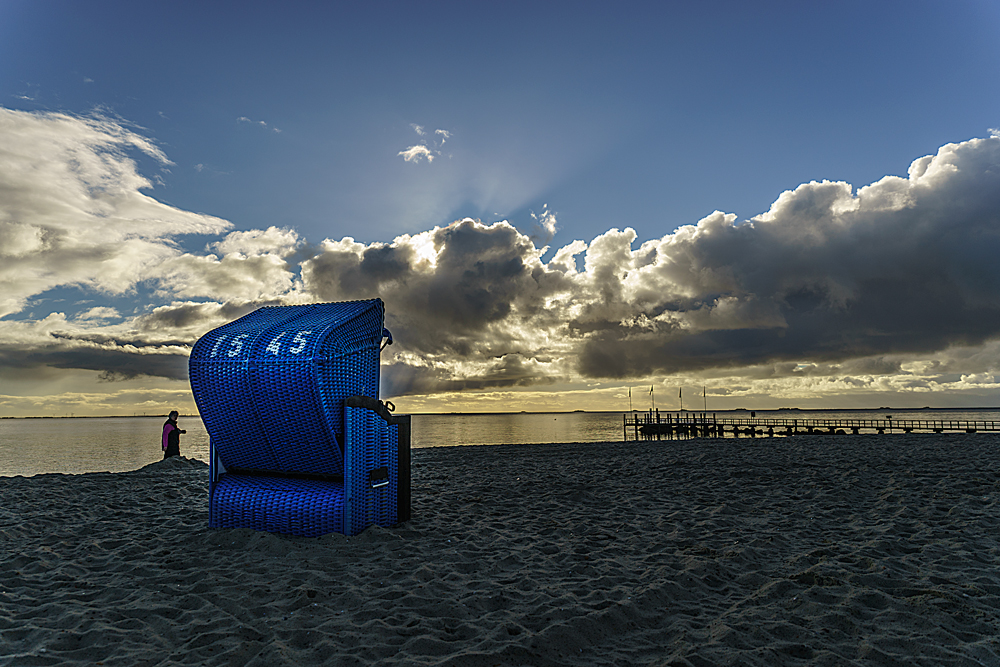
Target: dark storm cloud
512,370
829,282
155,344
902,266
113,364
482,282
197,317
829,275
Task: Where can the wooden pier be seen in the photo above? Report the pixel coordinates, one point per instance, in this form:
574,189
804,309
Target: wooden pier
652,425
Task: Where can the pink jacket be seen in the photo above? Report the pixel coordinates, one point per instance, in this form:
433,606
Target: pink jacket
167,428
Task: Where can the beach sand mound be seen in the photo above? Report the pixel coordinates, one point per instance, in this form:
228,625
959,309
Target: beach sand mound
810,550
174,464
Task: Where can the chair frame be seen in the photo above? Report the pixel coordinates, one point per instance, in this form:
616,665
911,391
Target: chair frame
299,456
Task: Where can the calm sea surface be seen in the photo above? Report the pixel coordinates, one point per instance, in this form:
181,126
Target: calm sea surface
117,444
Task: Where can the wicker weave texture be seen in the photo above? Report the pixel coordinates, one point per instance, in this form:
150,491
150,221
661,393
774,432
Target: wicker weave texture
307,508
310,508
370,444
220,384
270,386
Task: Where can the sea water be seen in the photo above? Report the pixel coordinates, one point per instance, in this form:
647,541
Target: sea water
118,444
91,444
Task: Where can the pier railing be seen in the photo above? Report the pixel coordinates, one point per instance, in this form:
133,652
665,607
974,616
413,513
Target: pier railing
656,425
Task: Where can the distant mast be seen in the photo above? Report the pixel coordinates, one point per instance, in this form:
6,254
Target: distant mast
680,397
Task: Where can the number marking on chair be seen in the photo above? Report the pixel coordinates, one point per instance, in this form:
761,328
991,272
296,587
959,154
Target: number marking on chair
301,340
274,347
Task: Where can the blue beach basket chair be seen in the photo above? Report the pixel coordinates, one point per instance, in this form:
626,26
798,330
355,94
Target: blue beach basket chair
300,443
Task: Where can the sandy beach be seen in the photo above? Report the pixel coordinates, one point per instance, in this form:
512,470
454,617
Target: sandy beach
812,550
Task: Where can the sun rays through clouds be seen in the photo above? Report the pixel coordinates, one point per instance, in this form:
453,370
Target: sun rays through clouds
891,286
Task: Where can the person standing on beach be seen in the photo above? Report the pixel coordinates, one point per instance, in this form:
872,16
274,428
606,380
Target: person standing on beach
172,435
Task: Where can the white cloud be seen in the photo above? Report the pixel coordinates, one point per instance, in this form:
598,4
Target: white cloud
252,267
546,220
273,240
415,153
890,287
261,123
98,313
232,277
72,210
19,240
825,273
427,149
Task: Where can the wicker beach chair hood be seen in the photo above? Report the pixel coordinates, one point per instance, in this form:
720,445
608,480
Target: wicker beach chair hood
271,385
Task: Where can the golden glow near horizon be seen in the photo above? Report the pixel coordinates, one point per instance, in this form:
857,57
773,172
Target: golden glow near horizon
158,396
542,235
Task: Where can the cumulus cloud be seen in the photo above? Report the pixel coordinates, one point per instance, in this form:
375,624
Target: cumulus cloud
901,266
547,224
228,277
250,266
255,242
889,287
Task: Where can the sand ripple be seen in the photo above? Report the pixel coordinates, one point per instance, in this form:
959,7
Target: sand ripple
813,550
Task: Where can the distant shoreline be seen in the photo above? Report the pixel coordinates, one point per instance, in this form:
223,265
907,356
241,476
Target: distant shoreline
98,416
570,412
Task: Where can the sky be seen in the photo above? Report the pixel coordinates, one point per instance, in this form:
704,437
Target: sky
561,203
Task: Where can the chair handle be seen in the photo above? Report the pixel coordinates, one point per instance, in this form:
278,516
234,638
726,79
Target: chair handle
379,477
